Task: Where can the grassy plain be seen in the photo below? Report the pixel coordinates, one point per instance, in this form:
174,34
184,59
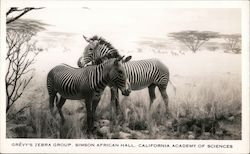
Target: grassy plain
206,105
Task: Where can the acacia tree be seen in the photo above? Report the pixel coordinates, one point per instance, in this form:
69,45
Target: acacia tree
233,42
21,53
193,40
19,12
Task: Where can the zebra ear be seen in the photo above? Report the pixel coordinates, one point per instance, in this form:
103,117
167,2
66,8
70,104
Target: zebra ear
127,59
118,59
86,39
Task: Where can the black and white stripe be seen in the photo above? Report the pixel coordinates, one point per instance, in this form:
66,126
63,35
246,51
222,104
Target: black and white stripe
67,80
141,74
85,83
97,48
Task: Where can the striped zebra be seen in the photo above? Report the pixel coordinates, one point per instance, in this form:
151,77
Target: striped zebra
97,44
85,83
149,73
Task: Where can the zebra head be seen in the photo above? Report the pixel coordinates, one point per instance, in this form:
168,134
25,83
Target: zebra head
96,51
118,77
88,53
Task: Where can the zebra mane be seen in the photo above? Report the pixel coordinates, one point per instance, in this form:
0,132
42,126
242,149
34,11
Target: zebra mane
112,54
103,41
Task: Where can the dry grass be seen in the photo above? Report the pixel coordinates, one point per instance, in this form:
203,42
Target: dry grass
204,107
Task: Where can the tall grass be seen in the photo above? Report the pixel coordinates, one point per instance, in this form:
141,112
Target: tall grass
208,97
200,105
203,108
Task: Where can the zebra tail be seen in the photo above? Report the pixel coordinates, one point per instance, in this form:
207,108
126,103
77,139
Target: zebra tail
174,87
51,106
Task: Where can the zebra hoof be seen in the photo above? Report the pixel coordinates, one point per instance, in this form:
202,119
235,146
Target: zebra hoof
90,136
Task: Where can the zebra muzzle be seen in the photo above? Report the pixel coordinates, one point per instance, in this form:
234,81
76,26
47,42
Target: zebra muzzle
126,92
127,89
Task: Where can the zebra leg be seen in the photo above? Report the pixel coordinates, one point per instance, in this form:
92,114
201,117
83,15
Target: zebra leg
118,112
114,104
164,96
59,107
95,102
116,98
151,90
90,123
51,103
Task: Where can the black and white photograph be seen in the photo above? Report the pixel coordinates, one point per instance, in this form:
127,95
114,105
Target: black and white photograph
125,73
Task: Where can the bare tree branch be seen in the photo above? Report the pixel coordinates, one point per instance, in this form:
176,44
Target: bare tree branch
11,10
23,12
233,42
21,54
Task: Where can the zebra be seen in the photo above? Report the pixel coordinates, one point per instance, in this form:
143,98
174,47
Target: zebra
149,73
85,83
97,44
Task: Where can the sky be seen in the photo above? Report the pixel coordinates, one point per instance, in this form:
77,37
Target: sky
142,21
124,26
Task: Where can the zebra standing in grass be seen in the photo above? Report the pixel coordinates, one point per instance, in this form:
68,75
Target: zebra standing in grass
85,83
149,73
